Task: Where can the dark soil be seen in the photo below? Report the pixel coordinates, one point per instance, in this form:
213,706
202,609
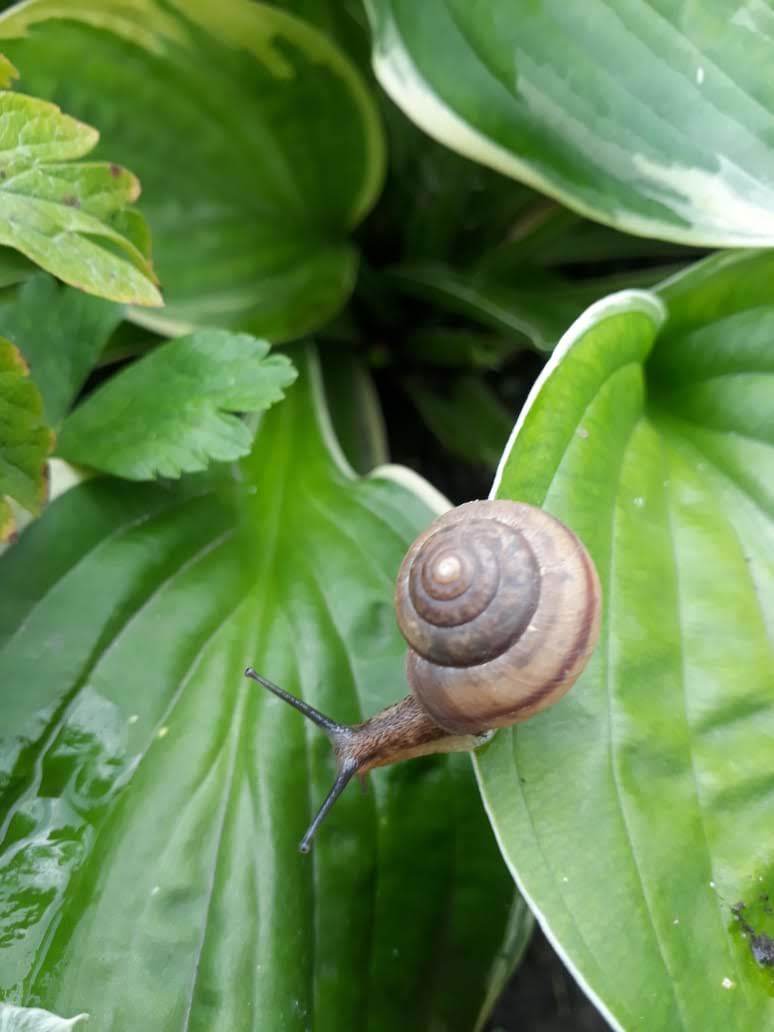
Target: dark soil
543,997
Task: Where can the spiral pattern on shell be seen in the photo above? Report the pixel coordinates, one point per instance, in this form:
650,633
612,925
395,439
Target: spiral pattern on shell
499,603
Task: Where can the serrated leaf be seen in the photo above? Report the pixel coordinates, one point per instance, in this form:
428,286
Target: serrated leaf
250,213
58,214
153,800
25,440
174,411
652,118
32,1019
61,332
635,813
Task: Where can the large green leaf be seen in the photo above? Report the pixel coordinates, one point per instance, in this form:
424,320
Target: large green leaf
176,409
636,812
651,117
257,144
152,799
68,218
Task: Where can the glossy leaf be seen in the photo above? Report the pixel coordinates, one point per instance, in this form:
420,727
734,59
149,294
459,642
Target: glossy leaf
153,799
60,215
635,813
249,215
175,410
651,118
61,332
25,440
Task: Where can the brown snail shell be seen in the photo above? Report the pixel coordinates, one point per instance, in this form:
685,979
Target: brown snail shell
500,605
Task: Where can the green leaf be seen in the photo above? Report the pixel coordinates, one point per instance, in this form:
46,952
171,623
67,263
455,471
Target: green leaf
654,119
14,267
252,177
516,287
464,349
355,410
436,203
58,214
153,798
342,20
7,72
537,310
25,440
61,332
32,1019
467,417
173,411
635,813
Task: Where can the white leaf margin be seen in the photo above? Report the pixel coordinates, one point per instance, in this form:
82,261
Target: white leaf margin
32,1019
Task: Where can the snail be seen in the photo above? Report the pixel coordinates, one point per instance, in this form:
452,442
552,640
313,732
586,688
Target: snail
499,603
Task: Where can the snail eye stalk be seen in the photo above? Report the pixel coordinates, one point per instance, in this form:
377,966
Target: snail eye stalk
331,727
339,734
342,780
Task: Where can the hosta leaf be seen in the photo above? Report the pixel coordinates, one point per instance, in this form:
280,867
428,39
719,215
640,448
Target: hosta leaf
174,410
61,333
635,813
152,799
652,118
59,215
25,440
252,177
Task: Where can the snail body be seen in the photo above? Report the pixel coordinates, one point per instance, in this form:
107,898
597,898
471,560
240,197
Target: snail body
499,603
